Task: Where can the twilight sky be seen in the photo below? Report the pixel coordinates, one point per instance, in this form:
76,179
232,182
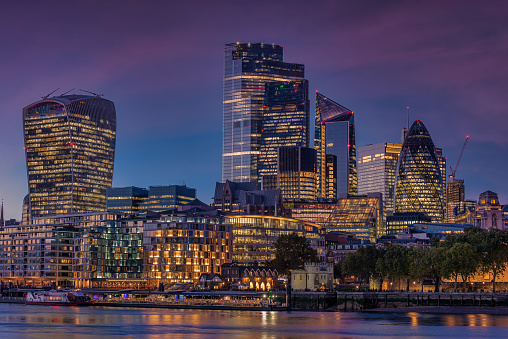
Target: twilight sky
161,63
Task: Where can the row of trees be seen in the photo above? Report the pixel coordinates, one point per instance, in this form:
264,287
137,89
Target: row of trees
458,256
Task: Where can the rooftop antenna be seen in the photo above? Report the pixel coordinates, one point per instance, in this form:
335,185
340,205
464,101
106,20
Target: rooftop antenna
95,94
407,118
47,96
67,92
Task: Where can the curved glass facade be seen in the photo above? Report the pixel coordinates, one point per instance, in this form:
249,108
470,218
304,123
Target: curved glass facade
254,236
419,182
70,152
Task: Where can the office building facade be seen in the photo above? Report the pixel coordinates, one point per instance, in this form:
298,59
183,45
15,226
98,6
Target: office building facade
155,198
359,215
377,167
335,134
254,236
419,182
285,123
296,173
70,151
247,67
455,196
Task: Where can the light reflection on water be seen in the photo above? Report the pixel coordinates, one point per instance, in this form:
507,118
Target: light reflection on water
20,321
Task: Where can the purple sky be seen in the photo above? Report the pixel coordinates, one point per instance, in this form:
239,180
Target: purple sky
162,64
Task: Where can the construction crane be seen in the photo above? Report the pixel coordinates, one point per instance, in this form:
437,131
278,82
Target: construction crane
452,175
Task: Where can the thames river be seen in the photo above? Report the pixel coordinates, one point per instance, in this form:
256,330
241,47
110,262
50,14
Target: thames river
20,321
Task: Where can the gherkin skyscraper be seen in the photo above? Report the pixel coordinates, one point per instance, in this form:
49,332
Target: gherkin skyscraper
419,182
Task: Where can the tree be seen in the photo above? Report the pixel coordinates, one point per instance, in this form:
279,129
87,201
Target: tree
463,260
428,262
362,263
292,252
395,264
495,253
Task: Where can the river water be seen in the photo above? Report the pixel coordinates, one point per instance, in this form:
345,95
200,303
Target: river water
20,321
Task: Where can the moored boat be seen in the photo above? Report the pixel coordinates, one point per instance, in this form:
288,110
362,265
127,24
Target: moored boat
58,298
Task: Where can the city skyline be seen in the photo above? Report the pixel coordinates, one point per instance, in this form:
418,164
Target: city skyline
445,64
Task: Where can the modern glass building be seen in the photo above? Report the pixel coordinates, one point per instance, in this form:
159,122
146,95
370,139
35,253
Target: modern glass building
155,198
335,134
163,198
296,173
313,212
254,236
285,123
247,68
70,152
360,215
419,182
377,167
125,199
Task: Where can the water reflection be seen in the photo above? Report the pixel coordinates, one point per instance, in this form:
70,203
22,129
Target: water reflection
102,322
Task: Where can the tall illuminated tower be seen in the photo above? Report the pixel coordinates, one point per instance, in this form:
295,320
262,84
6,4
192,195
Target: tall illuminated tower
70,152
335,134
247,68
285,123
377,168
419,182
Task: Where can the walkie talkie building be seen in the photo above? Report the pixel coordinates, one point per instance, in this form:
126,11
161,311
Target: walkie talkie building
419,182
70,152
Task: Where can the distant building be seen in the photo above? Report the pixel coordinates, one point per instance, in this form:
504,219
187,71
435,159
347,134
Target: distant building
179,247
156,198
313,212
401,222
419,181
440,230
335,134
247,68
489,213
125,199
245,198
70,152
377,169
254,236
338,246
249,277
314,276
455,195
330,190
285,123
360,215
296,173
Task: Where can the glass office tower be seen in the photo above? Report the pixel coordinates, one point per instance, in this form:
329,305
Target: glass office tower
285,123
297,173
419,185
377,167
247,67
70,152
335,134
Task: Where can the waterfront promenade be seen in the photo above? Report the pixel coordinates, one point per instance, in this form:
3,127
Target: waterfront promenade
492,303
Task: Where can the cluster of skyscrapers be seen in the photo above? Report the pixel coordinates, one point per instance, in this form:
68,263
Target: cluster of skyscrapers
78,230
